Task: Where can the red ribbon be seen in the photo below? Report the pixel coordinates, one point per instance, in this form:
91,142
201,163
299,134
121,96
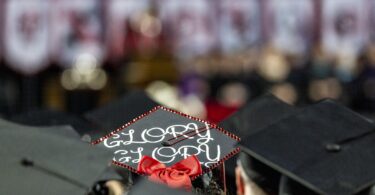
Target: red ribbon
176,176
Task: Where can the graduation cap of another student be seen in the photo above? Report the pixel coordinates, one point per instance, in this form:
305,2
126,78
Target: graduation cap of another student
61,130
171,138
41,161
52,117
257,114
325,148
114,114
252,118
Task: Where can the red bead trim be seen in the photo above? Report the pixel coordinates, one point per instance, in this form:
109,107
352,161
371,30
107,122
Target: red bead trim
211,125
221,161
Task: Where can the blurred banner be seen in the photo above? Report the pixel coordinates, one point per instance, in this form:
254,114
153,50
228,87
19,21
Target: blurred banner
76,29
239,24
371,20
193,25
344,25
122,16
26,35
37,33
289,24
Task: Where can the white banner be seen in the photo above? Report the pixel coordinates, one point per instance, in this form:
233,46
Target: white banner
290,24
76,29
240,25
344,26
192,24
26,35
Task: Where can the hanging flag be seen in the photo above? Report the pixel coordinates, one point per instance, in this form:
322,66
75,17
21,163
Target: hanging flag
344,26
193,25
289,24
239,24
26,35
372,20
123,33
76,29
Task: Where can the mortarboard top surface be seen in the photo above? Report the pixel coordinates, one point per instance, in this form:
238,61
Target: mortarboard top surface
257,114
61,130
57,163
325,147
51,117
144,186
116,113
252,118
169,137
65,130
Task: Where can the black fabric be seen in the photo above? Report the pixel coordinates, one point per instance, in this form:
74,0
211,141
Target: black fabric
252,118
115,114
257,114
40,161
325,147
52,117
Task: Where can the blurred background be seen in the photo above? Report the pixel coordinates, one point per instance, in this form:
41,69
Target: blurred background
206,58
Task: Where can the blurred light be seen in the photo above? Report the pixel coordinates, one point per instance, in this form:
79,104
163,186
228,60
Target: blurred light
84,74
325,88
85,63
150,26
193,106
233,94
273,67
164,94
286,92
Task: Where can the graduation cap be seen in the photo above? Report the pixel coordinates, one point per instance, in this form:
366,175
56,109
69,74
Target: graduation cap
39,161
169,139
325,148
51,117
114,114
252,118
257,114
61,130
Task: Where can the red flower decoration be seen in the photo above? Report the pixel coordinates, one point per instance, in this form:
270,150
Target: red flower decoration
176,176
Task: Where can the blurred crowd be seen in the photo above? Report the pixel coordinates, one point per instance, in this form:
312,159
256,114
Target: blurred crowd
213,55
207,58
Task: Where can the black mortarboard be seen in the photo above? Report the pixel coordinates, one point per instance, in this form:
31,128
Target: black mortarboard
36,161
252,118
62,130
145,186
325,148
169,137
114,114
257,114
52,117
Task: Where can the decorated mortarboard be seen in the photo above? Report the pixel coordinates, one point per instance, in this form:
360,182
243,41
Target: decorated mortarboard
166,140
326,148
